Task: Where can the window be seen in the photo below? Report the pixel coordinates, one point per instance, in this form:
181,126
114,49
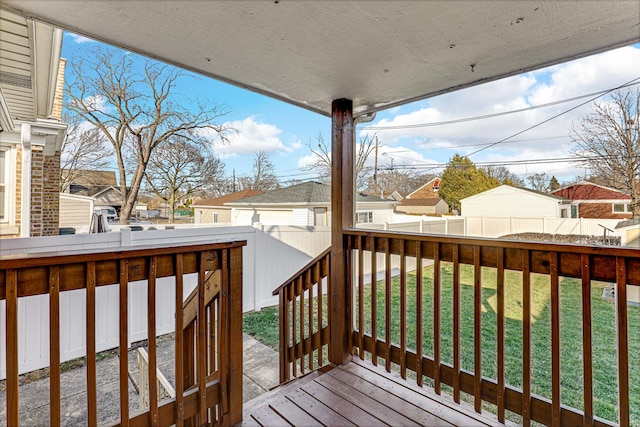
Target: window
215,217
364,217
621,207
320,217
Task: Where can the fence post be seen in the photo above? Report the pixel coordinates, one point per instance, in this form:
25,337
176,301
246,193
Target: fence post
234,300
125,236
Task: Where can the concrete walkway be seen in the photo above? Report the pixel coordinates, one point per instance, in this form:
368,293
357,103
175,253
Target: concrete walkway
260,368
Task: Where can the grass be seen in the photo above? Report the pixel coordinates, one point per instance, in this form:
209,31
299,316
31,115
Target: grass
264,325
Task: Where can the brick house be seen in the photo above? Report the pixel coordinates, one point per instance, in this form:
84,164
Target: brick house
424,201
31,128
589,200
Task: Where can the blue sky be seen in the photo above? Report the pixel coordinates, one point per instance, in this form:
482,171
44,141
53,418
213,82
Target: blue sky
412,137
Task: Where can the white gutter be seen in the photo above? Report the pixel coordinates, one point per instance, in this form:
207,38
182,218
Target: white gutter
25,216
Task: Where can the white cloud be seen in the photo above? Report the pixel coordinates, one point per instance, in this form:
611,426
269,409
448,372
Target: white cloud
80,39
537,141
251,136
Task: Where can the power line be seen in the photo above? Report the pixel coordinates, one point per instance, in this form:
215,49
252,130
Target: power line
502,113
554,117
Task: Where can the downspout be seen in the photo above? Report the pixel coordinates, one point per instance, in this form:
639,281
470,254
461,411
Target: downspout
25,205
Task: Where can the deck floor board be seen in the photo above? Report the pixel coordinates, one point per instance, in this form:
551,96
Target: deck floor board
358,394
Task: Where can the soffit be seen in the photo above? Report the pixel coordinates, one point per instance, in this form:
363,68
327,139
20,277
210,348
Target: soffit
377,53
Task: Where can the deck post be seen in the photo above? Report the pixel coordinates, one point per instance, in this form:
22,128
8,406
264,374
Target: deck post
342,204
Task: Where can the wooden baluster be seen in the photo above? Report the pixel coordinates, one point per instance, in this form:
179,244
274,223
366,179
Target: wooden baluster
623,341
526,339
294,336
555,339
477,330
403,310
284,334
317,278
436,317
309,343
456,324
361,295
500,332
151,339
374,302
92,384
419,297
387,303
13,400
300,346
201,356
587,355
124,342
179,263
54,345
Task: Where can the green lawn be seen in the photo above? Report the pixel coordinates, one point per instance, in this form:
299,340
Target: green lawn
264,325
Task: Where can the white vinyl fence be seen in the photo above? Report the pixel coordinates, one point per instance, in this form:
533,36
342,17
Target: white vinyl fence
501,226
271,256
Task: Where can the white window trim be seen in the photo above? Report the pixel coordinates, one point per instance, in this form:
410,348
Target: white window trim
369,217
626,208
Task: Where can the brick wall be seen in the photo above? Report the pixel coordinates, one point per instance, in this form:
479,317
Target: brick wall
51,195
37,187
600,210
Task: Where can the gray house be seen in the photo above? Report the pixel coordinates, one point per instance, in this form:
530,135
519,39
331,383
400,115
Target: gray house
308,203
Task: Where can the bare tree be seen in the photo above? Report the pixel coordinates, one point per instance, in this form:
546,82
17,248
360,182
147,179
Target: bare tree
322,159
263,178
133,102
504,175
82,149
179,170
607,141
404,182
539,182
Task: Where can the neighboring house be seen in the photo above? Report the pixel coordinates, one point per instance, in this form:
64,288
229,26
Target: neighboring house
31,128
507,201
424,201
213,211
86,189
388,195
430,206
308,204
591,200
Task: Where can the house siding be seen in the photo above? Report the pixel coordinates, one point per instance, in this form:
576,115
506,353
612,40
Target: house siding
508,201
601,210
74,212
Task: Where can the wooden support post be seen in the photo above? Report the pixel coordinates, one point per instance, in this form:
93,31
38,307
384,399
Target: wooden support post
342,204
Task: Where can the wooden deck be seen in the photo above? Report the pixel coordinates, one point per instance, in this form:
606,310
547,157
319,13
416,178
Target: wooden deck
357,394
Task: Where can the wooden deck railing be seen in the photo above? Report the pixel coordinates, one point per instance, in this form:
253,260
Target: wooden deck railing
208,338
304,330
456,310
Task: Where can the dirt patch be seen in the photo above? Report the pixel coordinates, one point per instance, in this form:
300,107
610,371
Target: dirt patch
564,238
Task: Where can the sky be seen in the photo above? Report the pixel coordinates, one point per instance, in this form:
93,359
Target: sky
522,132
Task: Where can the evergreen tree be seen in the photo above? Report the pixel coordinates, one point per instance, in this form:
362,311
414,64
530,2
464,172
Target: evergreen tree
462,179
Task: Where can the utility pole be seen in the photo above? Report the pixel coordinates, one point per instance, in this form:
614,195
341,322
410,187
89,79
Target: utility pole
234,180
375,170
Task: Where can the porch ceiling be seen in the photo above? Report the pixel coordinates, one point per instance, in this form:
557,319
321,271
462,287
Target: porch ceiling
379,54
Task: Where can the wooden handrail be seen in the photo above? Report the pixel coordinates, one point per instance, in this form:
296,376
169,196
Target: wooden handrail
302,337
212,289
372,252
208,381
